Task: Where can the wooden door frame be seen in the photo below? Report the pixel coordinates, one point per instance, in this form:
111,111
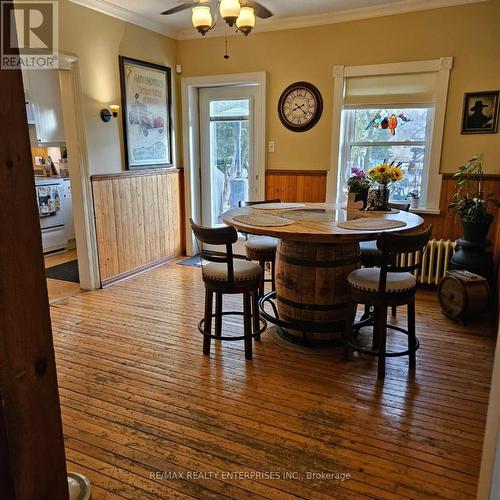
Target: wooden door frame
191,138
32,458
81,187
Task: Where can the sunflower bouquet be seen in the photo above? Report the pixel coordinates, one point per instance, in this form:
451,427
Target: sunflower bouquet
383,175
386,173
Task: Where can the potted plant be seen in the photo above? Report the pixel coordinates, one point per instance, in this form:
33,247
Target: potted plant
381,176
470,202
413,196
358,185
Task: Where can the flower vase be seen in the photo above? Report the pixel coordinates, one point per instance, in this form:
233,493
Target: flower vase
380,199
385,197
413,203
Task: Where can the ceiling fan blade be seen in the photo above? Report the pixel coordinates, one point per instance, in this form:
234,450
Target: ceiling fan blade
180,8
260,10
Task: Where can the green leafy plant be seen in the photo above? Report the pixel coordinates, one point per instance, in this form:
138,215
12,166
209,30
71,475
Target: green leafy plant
469,200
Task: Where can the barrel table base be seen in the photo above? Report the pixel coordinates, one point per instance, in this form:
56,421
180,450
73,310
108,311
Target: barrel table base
312,293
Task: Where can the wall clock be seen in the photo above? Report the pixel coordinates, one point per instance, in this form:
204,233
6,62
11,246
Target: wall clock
300,106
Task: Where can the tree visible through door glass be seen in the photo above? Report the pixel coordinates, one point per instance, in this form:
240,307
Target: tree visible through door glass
229,140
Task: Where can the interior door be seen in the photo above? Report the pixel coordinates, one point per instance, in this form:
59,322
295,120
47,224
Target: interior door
228,172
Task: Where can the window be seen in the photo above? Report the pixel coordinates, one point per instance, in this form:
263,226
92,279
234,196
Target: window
391,112
368,142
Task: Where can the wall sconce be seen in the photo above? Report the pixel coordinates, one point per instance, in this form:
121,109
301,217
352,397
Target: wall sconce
106,114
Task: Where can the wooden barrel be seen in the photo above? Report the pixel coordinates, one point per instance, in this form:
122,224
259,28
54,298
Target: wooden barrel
463,295
311,285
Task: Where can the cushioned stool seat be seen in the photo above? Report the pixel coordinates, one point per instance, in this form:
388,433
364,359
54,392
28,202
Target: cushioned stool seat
244,270
390,285
262,249
223,275
369,279
262,243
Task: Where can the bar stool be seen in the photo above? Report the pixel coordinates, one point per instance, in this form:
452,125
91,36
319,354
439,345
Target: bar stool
226,275
371,256
387,286
262,248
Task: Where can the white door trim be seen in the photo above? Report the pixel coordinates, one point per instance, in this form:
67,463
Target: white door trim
85,233
191,136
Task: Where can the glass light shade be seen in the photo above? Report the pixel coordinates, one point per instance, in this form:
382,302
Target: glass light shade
230,10
202,18
246,20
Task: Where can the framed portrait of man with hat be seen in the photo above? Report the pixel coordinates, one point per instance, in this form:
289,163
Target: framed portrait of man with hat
480,114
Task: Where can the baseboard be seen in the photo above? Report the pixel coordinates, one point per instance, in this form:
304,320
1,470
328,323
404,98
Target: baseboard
138,270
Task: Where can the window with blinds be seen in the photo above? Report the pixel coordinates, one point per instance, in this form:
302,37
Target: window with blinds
388,117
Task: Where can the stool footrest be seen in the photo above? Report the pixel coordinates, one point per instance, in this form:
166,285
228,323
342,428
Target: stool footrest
201,327
393,354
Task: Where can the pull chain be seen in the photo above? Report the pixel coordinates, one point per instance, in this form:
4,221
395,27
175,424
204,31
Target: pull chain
226,55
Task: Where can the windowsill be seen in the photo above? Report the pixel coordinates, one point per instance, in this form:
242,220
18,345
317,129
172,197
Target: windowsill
425,210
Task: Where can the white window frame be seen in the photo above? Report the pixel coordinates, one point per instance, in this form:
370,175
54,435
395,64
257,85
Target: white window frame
347,140
442,67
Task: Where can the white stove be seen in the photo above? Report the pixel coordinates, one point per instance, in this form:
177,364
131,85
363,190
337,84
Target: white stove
50,195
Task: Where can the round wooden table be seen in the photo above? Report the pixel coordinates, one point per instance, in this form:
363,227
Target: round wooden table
313,261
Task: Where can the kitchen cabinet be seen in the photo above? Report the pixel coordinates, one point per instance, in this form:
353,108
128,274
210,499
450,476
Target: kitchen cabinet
43,105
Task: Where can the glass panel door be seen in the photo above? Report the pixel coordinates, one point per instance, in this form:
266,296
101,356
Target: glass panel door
227,173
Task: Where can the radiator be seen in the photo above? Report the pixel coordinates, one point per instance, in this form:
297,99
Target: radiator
434,260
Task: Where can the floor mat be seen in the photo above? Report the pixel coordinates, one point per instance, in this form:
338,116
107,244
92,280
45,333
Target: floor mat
65,272
194,261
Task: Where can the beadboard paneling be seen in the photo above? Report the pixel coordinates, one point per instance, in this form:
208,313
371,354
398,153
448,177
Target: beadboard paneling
296,185
138,221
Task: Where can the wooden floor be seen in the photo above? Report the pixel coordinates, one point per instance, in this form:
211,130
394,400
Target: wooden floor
144,411
60,289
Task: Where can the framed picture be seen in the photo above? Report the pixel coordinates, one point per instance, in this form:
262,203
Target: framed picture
146,103
480,114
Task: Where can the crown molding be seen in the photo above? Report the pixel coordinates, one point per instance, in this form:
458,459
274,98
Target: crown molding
388,9
129,16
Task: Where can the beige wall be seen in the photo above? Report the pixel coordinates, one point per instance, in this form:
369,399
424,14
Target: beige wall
469,33
97,40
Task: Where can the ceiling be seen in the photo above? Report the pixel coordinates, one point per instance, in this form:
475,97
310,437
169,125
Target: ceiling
287,13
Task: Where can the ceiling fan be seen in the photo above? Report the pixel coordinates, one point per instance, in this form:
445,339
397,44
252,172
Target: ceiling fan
239,12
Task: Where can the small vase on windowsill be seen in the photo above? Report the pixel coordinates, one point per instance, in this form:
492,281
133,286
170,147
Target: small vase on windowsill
414,203
379,199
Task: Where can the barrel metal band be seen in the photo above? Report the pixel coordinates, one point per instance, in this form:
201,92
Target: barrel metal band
322,263
311,307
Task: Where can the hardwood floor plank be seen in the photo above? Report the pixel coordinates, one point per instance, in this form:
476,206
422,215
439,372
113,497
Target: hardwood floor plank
138,396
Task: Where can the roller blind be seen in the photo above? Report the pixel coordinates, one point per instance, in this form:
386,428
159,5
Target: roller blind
412,88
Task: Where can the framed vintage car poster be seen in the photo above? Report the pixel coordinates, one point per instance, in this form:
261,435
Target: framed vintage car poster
146,103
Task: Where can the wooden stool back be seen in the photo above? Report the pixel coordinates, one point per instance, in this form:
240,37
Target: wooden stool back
224,236
393,244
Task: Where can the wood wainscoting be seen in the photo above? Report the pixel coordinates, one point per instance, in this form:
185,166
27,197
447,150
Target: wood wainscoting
138,221
296,185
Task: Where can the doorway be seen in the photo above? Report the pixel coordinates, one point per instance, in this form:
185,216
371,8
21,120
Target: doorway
224,145
228,173
62,181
